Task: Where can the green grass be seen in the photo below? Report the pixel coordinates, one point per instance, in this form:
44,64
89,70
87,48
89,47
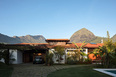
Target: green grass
5,70
80,71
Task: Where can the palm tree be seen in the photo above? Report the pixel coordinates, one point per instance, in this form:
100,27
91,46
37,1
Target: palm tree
99,52
79,50
106,51
109,50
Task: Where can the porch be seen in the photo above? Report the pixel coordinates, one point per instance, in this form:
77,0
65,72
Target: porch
29,55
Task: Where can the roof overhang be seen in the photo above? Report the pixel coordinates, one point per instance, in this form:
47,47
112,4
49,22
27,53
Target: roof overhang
57,40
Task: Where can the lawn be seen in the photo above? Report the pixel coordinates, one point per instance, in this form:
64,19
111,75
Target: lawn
80,71
5,71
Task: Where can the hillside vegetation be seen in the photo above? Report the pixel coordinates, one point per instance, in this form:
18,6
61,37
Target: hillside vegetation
87,36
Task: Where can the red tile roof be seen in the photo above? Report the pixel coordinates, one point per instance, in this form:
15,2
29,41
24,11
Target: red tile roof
66,40
88,45
69,45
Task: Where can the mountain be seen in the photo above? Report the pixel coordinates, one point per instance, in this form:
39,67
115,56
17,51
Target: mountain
78,37
31,39
97,39
21,39
114,38
7,39
85,35
82,35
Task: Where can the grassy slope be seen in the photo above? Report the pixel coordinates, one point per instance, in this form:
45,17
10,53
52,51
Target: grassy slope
5,71
97,40
82,71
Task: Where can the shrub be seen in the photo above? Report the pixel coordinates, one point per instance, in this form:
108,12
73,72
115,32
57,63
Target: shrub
71,61
48,59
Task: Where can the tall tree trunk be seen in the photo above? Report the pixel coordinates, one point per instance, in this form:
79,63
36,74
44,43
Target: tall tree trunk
58,59
47,52
7,59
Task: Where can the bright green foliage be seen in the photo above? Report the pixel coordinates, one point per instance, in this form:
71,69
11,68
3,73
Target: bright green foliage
73,58
107,52
77,55
78,51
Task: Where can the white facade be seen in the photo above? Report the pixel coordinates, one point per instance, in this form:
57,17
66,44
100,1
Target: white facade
55,57
65,56
70,51
16,55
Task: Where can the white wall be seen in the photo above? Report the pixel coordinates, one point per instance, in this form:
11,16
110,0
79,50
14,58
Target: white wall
17,55
55,58
14,55
86,52
71,49
2,60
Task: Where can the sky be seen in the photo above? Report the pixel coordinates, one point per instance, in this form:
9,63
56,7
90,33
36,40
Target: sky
57,18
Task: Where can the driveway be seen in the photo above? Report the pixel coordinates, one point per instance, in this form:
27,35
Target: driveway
36,70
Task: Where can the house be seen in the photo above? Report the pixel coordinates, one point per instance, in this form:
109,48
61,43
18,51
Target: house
27,55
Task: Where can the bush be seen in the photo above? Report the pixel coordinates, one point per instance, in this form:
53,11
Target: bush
113,62
48,59
71,61
88,60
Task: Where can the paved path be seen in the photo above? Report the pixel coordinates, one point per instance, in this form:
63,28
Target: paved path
36,70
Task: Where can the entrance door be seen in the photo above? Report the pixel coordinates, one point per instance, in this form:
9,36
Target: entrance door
27,57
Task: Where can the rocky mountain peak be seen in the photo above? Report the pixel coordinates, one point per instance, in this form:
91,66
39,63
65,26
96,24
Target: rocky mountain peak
82,35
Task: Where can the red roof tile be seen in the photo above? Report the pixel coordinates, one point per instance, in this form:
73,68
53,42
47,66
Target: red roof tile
67,40
69,45
88,45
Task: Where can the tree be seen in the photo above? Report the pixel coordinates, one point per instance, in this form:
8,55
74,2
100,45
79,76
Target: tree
79,51
99,52
76,55
106,52
59,52
49,58
5,55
